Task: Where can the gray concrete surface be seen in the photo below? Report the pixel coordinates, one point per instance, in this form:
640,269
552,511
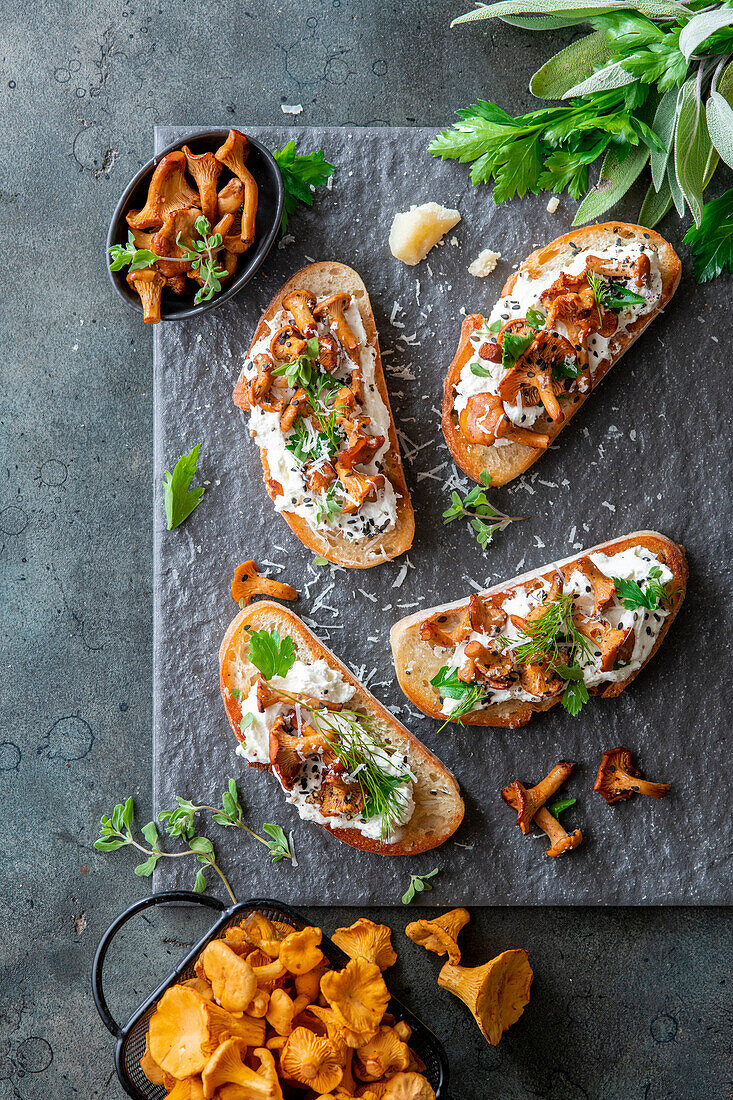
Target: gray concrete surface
627,1004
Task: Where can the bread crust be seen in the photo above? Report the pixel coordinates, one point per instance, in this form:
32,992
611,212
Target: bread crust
323,278
507,462
416,663
434,818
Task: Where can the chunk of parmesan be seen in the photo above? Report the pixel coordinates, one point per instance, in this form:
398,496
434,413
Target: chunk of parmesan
484,263
417,230
553,204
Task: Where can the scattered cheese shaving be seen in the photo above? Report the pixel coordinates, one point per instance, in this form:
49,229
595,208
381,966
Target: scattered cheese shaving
553,204
484,263
291,108
415,231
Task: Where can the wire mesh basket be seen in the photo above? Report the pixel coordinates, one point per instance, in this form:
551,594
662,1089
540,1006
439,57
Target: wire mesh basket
131,1037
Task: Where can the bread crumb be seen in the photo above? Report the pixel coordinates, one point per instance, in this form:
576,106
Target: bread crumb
415,231
484,263
553,204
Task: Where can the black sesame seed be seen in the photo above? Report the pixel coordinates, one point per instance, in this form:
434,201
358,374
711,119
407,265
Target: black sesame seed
649,630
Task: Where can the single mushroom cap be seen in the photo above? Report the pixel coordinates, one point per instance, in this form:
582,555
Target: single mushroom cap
366,940
233,980
311,1060
287,344
300,303
248,583
527,801
610,641
205,169
603,587
440,934
496,993
618,780
227,1076
357,994
408,1086
148,284
300,951
150,1067
185,1030
484,421
282,1010
381,1056
168,191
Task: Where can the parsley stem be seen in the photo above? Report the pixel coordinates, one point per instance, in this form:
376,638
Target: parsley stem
238,824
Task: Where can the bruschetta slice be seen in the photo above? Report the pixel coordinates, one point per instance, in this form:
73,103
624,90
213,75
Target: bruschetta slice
564,318
338,755
314,387
586,625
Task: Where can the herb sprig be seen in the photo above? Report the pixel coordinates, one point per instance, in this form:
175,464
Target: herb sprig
117,831
203,255
611,295
300,175
418,884
304,373
652,86
178,496
271,654
468,696
649,594
475,506
129,254
553,627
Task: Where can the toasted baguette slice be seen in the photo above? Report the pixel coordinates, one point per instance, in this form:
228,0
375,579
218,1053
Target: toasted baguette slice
509,461
323,279
438,804
417,661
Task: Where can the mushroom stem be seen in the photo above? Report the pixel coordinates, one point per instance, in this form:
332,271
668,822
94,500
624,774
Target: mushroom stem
561,840
527,802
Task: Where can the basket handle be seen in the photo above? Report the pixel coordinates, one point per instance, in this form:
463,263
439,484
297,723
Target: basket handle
167,897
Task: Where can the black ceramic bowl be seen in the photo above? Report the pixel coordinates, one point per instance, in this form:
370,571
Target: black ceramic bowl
263,167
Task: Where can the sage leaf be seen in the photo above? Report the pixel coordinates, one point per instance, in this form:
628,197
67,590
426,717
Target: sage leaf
614,181
701,27
665,119
612,76
719,116
678,197
691,148
578,12
656,204
545,22
562,71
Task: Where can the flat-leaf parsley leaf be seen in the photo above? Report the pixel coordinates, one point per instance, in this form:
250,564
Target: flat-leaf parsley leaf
179,499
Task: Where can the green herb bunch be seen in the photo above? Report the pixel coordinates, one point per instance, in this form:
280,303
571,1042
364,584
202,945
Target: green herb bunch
117,831
652,86
475,506
649,594
305,373
203,254
553,638
300,175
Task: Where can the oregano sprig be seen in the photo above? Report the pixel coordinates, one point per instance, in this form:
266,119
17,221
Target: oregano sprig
418,885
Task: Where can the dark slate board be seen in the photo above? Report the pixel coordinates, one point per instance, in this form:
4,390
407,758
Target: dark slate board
646,452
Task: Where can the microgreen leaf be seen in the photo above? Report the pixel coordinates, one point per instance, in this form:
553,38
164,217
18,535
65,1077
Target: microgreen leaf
278,845
200,883
180,500
477,508
418,885
130,255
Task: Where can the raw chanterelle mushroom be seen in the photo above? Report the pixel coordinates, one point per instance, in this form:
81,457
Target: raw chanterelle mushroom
408,1086
440,934
311,1060
185,1030
300,951
233,980
618,779
357,994
366,940
496,993
263,1084
382,1056
190,1088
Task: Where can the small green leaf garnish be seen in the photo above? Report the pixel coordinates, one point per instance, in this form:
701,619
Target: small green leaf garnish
418,885
203,258
612,295
485,519
269,653
649,594
278,845
468,696
300,175
179,500
556,808
129,254
711,243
